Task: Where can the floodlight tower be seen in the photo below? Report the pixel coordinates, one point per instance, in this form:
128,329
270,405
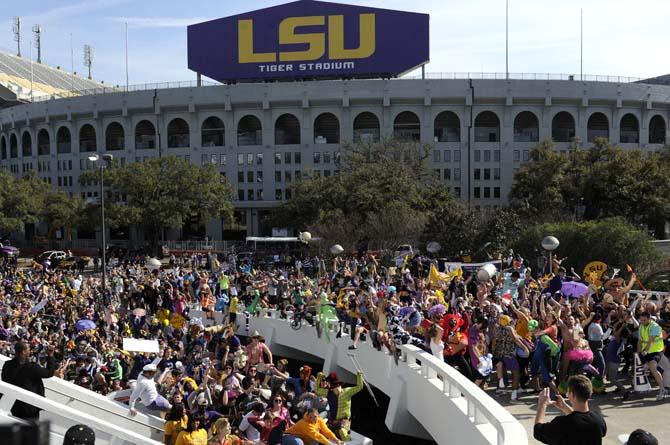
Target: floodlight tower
37,30
88,59
17,34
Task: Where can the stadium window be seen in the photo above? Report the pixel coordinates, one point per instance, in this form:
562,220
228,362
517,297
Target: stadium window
457,192
337,157
447,174
447,156
326,173
478,174
240,195
336,172
250,177
287,130
496,192
288,194
436,155
60,182
317,157
277,158
204,158
287,176
297,157
259,194
457,156
187,158
496,174
487,155
278,194
259,176
240,176
259,158
496,155
287,157
487,192
457,174
223,160
525,155
478,192
326,157
250,159
487,174
317,173
517,155
250,195
478,156
277,176
240,159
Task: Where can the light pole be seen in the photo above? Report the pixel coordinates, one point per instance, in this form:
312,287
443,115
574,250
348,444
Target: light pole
106,158
550,243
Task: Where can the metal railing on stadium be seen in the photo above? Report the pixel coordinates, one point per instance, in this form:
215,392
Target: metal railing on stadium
429,76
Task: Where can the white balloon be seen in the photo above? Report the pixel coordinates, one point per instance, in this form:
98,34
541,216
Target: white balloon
153,264
486,272
433,247
550,243
336,249
305,237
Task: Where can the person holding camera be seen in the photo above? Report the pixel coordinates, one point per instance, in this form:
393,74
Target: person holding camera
20,372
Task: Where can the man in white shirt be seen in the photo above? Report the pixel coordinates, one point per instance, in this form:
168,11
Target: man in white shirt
252,423
145,390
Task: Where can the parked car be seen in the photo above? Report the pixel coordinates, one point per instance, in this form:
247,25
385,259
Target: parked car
54,256
8,251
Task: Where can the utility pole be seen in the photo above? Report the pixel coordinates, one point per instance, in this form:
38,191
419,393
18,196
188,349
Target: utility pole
17,34
88,59
37,30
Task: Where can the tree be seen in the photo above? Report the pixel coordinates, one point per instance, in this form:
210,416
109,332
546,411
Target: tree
385,193
164,192
61,210
21,201
607,181
612,240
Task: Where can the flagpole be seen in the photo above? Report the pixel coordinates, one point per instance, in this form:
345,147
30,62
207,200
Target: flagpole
581,44
506,39
126,56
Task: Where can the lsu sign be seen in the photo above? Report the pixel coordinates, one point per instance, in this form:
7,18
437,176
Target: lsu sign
309,39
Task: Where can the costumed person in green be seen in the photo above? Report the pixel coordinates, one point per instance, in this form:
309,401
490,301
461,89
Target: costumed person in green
339,402
327,313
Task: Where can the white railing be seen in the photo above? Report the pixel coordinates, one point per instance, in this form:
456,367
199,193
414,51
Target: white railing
447,405
433,75
67,393
62,417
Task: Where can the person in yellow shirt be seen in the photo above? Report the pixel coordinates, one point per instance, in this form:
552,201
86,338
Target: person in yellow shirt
175,422
309,430
194,434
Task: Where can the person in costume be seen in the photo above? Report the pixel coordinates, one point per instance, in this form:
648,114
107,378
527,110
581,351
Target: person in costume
339,401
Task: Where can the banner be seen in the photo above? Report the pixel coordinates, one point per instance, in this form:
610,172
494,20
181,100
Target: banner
594,272
640,379
308,40
139,345
450,266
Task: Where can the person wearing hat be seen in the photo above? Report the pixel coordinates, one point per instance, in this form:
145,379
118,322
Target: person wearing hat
145,390
79,435
638,437
19,372
257,353
339,401
504,346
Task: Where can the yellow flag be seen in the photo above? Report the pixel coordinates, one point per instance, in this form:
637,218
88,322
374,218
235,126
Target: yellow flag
440,296
433,275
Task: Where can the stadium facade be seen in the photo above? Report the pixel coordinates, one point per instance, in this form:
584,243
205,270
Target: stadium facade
263,135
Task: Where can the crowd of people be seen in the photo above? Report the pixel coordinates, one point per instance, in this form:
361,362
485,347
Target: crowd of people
516,331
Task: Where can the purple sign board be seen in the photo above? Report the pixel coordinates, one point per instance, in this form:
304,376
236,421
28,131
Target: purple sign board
309,39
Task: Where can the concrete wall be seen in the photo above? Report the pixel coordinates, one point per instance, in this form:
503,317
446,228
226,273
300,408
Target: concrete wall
346,100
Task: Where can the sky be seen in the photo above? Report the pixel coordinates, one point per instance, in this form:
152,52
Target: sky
621,37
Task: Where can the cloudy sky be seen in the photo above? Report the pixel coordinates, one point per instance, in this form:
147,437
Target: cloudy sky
621,37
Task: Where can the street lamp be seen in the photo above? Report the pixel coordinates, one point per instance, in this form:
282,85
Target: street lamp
106,158
550,243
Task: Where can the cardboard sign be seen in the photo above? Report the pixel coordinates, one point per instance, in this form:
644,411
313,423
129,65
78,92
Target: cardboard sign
594,272
140,345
